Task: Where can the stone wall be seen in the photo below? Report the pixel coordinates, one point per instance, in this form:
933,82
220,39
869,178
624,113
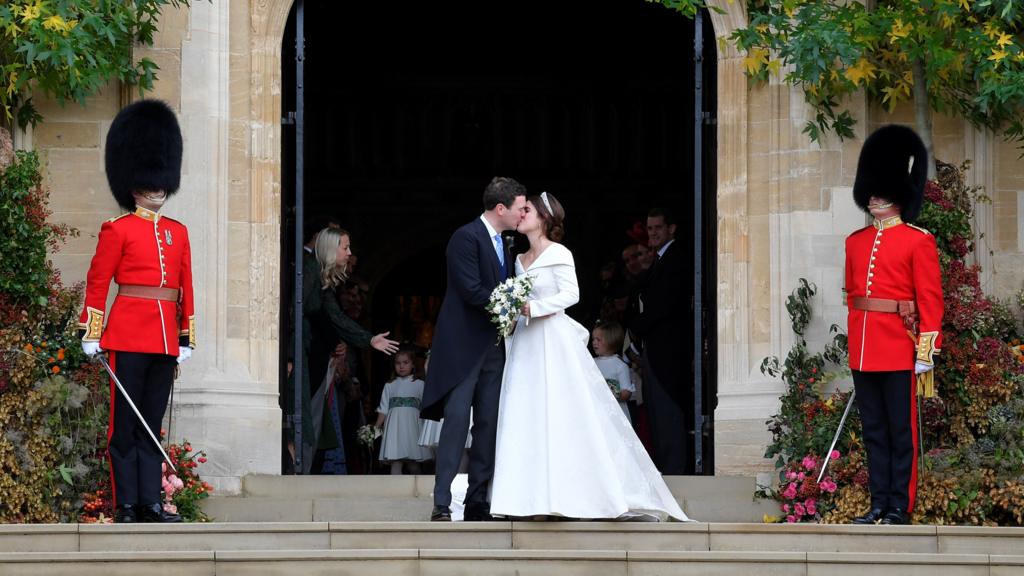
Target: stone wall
784,207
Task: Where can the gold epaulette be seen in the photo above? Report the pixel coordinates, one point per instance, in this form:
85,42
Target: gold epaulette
116,218
919,228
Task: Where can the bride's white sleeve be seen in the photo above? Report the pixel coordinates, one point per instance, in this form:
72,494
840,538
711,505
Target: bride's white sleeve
567,295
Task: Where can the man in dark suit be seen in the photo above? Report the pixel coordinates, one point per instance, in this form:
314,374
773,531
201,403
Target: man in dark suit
467,359
661,325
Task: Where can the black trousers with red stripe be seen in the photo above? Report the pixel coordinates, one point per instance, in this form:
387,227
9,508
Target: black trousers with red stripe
888,405
134,458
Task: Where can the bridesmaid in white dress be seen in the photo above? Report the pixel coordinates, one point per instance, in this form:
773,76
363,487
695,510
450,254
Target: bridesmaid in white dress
564,447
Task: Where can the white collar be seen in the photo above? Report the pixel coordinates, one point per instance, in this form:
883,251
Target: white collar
491,232
665,247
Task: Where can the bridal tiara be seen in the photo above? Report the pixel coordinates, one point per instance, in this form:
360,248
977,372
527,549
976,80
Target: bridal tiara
544,198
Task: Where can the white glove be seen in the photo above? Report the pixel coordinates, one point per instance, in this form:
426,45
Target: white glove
921,367
184,353
91,349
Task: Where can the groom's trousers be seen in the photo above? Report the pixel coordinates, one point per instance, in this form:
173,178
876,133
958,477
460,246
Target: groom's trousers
480,390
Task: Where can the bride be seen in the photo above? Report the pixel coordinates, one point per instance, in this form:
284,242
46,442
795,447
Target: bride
564,446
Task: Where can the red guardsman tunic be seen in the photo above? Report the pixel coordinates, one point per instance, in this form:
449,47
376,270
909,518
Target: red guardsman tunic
142,248
896,261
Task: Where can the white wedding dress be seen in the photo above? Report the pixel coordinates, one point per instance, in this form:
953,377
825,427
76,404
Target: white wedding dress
564,447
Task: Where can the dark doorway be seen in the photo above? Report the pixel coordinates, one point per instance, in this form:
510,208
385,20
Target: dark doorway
411,108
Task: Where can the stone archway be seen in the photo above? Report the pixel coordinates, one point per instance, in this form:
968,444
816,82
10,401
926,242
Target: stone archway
261,222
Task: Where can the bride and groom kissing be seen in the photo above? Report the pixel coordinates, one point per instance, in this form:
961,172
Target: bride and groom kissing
548,438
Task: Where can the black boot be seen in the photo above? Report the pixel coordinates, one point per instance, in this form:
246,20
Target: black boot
897,517
156,513
126,514
872,517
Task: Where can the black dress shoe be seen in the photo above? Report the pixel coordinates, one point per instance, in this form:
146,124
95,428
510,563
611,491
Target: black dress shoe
127,514
478,512
872,517
896,517
155,513
441,514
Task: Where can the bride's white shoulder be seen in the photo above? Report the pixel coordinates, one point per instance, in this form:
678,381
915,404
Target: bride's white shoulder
560,254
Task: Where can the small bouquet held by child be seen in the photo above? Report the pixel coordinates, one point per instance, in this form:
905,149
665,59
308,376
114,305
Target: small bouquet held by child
507,301
367,434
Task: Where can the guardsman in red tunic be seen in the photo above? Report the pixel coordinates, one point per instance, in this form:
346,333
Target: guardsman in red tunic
894,294
150,327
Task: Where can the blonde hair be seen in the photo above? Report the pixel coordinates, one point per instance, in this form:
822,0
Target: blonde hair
614,335
332,274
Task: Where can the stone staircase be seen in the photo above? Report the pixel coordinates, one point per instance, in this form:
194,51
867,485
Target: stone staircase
412,548
409,498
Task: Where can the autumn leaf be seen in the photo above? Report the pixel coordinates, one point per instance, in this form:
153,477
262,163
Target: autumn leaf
860,72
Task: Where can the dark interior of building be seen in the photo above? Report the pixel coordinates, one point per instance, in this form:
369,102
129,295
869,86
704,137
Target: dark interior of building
411,108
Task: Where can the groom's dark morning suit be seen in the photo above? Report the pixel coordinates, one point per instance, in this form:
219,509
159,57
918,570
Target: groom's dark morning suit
466,364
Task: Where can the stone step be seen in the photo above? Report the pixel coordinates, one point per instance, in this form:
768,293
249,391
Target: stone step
420,562
414,509
631,536
412,486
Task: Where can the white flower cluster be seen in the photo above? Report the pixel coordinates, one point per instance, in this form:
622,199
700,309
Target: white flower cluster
507,301
367,434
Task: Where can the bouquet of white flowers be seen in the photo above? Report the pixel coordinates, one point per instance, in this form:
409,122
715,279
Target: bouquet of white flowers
367,434
507,301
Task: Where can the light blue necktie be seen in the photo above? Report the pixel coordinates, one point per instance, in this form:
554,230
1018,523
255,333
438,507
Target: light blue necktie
499,247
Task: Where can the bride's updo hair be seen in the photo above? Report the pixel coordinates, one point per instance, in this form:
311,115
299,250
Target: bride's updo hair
553,227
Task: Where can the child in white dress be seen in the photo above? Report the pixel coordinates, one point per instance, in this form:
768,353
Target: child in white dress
607,340
399,414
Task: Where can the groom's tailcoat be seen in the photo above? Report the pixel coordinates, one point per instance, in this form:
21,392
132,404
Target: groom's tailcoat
464,329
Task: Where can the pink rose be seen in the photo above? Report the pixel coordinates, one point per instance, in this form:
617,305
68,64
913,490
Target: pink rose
791,519
834,455
790,492
790,475
785,508
801,476
171,508
811,506
799,510
176,482
809,462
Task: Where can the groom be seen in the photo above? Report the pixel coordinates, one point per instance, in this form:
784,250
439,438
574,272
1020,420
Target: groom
467,360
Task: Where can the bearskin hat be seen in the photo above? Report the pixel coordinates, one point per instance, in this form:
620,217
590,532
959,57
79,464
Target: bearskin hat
893,165
143,151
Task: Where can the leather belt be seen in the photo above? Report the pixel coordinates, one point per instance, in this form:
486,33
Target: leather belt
149,292
901,307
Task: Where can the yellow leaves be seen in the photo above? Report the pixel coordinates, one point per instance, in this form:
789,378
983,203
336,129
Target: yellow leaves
899,91
965,5
900,30
769,519
998,55
947,22
28,12
861,72
991,30
57,24
1004,40
756,58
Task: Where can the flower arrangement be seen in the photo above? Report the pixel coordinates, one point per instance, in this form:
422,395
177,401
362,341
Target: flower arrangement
367,434
507,301
182,488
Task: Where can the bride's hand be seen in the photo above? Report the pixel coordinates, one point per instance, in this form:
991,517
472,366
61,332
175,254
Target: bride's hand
526,310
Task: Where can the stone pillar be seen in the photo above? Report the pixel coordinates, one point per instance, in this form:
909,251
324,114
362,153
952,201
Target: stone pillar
226,402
